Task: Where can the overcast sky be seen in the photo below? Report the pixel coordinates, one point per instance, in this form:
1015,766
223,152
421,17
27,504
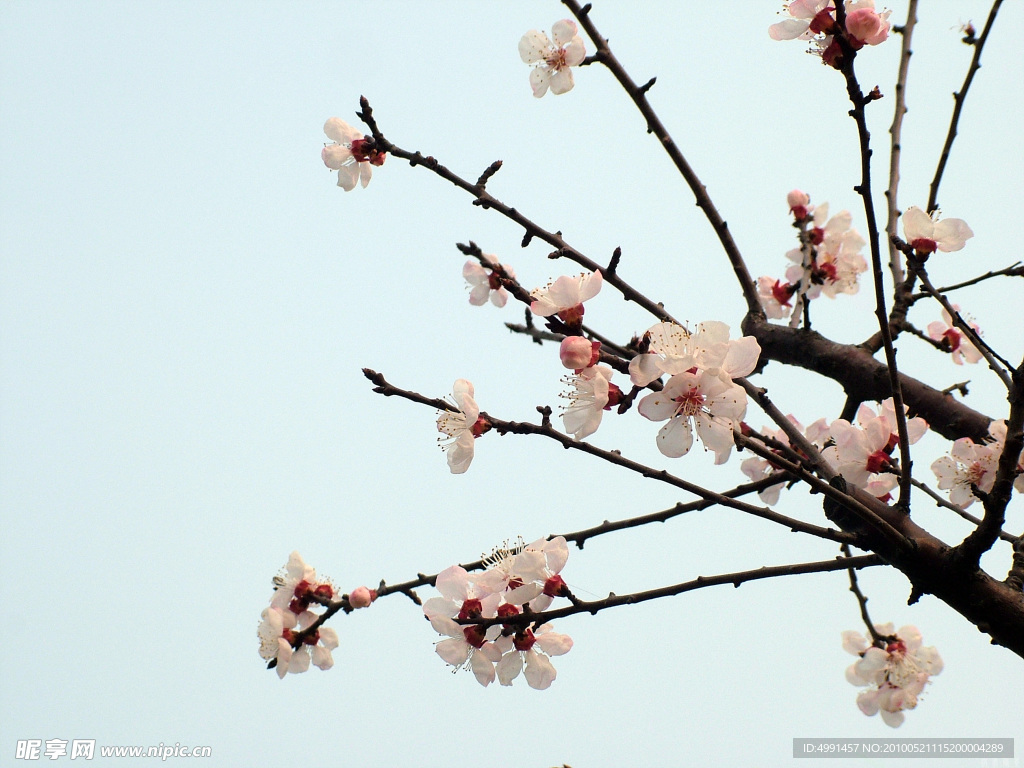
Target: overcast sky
187,299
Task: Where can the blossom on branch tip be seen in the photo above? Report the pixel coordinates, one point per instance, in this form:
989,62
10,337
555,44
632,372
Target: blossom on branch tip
552,59
565,296
926,234
484,283
351,154
361,597
462,427
895,674
953,339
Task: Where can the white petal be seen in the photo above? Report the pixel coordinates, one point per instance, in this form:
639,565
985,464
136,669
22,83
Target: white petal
561,82
340,131
453,651
916,224
540,673
533,46
563,32
539,79
509,667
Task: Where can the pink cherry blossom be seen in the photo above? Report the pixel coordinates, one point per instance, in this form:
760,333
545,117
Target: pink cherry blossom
775,297
592,395
705,400
484,283
864,24
553,60
926,234
968,464
462,427
757,468
862,454
916,427
565,296
578,353
960,347
350,155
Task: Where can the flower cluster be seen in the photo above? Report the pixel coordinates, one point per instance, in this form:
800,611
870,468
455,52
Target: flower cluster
296,588
815,20
972,466
517,581
895,674
351,154
827,262
552,60
700,392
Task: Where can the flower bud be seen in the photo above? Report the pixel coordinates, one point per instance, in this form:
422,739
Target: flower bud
361,597
577,352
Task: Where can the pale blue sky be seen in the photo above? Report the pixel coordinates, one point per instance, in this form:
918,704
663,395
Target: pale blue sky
186,301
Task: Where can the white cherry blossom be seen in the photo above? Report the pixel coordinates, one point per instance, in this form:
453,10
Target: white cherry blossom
798,27
348,155
531,651
462,427
702,399
592,394
565,296
968,464
926,234
484,283
553,59
672,349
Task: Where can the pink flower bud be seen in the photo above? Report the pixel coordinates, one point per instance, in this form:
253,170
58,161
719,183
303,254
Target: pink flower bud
361,597
867,26
798,197
577,352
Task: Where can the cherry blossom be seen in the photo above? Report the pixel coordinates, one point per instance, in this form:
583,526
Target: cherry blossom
592,395
705,399
775,296
865,25
462,427
531,651
672,349
351,155
809,18
916,427
799,204
277,632
926,234
553,60
862,454
296,586
997,431
961,348
895,675
484,283
565,296
968,464
757,468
